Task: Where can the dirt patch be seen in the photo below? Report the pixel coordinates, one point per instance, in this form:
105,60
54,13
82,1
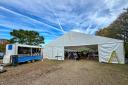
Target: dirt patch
25,73
66,73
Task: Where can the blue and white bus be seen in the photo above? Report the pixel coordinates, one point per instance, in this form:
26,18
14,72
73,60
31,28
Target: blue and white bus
24,52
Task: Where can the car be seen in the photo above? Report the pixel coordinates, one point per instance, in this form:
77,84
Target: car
1,55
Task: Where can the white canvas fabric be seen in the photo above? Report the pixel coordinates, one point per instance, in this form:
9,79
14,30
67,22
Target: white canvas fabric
106,51
106,46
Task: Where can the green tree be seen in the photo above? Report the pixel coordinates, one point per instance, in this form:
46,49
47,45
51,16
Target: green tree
118,30
26,37
3,45
2,48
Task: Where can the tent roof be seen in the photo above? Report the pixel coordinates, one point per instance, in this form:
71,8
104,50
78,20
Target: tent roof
79,39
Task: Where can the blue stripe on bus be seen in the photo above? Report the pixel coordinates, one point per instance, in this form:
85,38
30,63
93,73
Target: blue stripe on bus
28,58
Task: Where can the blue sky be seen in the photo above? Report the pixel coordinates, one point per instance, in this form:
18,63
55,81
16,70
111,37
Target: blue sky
53,18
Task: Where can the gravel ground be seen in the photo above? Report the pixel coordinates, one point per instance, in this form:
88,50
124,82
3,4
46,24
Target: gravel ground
83,72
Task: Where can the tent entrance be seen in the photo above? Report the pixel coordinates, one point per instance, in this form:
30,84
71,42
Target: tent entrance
89,52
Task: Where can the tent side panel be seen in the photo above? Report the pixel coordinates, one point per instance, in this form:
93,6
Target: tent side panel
47,52
56,53
111,53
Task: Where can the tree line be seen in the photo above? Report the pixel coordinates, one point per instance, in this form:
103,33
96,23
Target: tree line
118,30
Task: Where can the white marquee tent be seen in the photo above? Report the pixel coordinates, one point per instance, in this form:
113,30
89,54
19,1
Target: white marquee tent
109,50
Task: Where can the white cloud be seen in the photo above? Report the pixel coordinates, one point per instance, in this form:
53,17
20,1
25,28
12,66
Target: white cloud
57,15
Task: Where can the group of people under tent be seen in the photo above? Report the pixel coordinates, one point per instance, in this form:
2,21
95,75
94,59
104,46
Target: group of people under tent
80,55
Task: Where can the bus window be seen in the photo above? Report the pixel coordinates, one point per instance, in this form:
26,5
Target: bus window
36,51
24,51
